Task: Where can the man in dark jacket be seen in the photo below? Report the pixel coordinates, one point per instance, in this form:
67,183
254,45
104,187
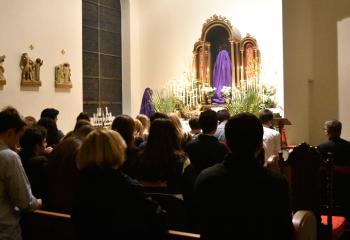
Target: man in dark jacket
339,147
206,150
238,198
340,150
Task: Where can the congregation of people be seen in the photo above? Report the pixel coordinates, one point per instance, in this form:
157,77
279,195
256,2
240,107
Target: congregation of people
105,178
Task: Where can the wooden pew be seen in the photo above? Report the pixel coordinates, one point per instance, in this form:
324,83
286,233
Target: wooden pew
43,225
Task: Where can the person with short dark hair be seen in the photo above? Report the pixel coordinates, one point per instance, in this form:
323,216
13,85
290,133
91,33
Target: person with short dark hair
340,149
272,138
52,113
206,150
83,116
158,115
15,190
223,115
239,195
195,128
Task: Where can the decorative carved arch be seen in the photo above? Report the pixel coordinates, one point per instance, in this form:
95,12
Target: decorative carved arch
202,56
220,21
250,58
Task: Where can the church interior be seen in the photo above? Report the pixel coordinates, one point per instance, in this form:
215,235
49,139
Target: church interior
88,55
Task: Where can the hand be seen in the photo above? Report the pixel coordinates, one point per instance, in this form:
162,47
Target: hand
40,203
48,150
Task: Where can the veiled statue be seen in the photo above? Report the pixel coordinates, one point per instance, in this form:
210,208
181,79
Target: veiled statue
2,70
222,58
30,71
62,76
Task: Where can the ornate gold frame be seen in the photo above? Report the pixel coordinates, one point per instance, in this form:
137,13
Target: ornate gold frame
237,51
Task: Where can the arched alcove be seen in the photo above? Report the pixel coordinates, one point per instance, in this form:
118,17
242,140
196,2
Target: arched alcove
218,34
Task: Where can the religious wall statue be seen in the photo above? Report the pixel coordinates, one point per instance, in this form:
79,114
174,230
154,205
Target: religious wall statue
30,71
62,76
2,70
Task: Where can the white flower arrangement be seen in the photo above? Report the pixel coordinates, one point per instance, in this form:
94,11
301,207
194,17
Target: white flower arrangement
226,92
208,90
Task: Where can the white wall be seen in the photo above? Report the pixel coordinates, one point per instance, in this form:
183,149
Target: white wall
316,63
49,26
166,30
343,30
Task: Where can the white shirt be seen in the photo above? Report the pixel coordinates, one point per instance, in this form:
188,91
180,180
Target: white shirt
15,193
271,142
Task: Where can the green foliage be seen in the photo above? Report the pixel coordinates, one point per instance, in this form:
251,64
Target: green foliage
165,101
252,97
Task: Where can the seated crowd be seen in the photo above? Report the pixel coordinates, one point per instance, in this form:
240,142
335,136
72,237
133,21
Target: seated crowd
105,178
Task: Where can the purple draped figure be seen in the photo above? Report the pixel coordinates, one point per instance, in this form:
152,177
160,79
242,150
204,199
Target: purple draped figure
146,105
222,75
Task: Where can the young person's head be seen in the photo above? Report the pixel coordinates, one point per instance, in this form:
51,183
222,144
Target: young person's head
145,122
208,121
194,124
102,148
125,126
266,117
33,140
222,115
333,128
244,134
11,127
51,113
83,116
52,132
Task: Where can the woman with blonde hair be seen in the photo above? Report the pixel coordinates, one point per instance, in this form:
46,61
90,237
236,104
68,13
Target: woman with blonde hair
146,125
108,204
183,135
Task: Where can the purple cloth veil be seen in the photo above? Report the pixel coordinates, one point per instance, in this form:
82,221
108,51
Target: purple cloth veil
222,75
146,104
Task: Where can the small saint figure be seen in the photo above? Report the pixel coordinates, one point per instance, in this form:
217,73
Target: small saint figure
30,71
62,76
2,70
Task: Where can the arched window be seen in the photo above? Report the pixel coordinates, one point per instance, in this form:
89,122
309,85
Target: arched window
102,65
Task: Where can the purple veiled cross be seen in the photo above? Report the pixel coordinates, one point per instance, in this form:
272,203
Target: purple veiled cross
222,75
146,104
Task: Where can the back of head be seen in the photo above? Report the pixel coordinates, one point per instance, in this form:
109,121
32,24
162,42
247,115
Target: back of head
144,120
125,126
102,148
265,116
30,121
83,131
176,121
80,123
163,135
83,116
32,137
10,119
138,128
51,113
223,115
208,121
333,128
158,115
194,123
244,133
52,131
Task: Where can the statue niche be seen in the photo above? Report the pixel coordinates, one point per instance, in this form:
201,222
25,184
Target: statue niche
221,57
62,76
30,71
